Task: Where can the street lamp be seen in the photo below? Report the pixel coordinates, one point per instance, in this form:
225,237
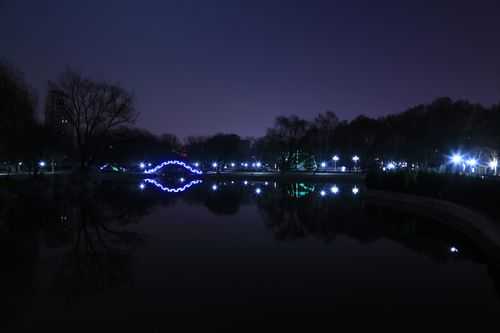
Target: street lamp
323,165
456,159
214,165
41,164
472,162
493,165
355,159
335,160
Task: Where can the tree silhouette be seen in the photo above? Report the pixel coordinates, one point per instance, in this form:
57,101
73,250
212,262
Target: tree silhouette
93,109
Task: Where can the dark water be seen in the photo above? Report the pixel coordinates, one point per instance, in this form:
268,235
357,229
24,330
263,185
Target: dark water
232,251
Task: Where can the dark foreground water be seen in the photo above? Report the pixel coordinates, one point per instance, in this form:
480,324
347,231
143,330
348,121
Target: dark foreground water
160,252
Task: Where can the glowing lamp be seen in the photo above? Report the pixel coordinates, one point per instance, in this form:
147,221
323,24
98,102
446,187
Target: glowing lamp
472,162
456,159
334,189
493,164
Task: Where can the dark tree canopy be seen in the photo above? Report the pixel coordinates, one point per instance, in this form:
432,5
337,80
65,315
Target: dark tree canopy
93,109
17,111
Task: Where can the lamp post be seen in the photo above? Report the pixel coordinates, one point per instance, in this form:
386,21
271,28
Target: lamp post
355,160
493,166
457,159
335,160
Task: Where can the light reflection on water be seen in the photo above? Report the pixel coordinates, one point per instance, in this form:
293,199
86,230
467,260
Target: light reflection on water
184,245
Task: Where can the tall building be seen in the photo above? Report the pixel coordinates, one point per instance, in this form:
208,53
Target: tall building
55,117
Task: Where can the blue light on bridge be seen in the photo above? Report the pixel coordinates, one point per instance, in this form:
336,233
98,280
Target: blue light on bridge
169,189
174,162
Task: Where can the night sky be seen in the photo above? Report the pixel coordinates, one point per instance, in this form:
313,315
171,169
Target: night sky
201,67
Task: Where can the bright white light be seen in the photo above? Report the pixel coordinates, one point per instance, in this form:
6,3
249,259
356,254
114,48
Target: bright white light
20,163
182,179
453,249
245,165
322,193
493,164
232,165
355,190
258,164
456,159
149,164
335,158
214,187
343,169
41,164
245,182
196,164
323,164
214,165
472,162
142,186
334,189
391,166
258,190
266,183
225,166
355,158
142,165
232,181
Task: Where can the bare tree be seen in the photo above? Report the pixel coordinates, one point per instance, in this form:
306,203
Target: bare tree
92,109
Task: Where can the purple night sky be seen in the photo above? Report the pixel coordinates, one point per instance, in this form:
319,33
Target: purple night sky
201,67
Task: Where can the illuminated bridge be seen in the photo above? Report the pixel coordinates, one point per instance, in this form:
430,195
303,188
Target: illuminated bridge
182,164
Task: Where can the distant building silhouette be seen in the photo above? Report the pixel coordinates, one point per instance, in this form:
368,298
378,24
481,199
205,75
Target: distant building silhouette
55,117
57,122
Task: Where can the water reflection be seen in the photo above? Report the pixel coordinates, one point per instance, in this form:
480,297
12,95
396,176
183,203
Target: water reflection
96,231
168,189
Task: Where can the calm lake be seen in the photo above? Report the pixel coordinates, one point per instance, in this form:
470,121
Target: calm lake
160,250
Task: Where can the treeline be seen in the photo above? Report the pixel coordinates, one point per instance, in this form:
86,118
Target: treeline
423,134
100,116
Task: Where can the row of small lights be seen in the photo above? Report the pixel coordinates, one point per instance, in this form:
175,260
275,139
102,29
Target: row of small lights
323,164
459,159
334,189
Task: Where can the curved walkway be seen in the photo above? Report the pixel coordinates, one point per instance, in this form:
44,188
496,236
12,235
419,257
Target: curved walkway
483,230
